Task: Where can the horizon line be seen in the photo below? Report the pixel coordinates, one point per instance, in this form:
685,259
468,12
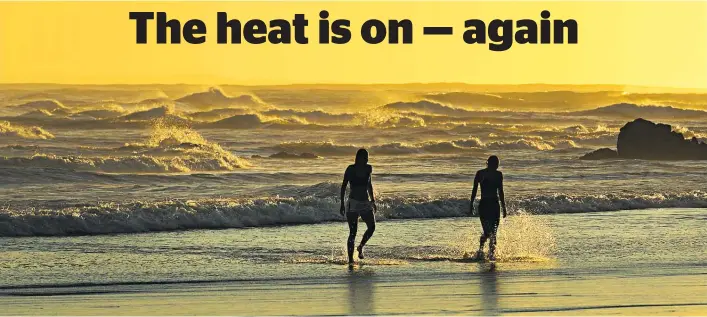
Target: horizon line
345,84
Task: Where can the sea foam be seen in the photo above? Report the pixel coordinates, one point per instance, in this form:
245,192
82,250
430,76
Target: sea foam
308,205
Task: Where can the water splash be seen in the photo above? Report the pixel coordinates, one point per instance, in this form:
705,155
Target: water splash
165,132
525,237
521,238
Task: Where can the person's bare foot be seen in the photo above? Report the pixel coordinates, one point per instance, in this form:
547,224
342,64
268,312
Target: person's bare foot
360,252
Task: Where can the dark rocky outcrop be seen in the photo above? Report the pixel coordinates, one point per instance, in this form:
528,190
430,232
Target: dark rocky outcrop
643,139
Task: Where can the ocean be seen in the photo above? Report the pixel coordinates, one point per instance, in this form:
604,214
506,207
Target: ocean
116,190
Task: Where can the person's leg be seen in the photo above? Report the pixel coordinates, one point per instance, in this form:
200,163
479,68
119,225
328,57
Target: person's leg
370,220
493,227
484,235
485,231
352,219
483,217
492,248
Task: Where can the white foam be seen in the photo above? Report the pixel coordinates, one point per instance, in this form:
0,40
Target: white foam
9,130
310,204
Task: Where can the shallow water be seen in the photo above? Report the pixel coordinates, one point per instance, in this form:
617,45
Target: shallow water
634,262
650,239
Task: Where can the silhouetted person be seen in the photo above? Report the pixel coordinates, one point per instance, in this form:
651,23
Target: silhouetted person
491,181
358,204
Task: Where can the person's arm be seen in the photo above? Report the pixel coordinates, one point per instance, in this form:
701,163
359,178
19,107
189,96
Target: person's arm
370,190
342,210
473,193
502,197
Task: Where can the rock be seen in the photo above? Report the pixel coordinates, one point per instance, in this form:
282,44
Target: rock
643,139
601,154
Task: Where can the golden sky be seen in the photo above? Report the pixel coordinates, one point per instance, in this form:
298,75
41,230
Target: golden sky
633,43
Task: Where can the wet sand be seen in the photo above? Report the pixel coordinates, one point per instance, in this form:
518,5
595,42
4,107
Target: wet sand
484,290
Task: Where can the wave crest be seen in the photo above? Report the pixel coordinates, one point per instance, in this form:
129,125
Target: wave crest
329,148
169,148
7,129
310,204
124,164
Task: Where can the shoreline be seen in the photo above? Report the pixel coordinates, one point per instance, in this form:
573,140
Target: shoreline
365,291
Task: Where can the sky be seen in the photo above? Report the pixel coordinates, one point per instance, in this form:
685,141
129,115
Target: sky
662,44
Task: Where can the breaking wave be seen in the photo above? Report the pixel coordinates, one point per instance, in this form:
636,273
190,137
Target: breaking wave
628,110
8,130
129,164
150,114
329,148
521,144
308,205
251,121
169,148
388,119
98,114
426,107
49,105
177,148
218,114
316,116
215,97
687,133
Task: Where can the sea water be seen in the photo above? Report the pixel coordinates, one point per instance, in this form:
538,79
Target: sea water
120,185
650,241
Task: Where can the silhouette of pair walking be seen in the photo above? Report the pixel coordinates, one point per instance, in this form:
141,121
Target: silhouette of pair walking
362,203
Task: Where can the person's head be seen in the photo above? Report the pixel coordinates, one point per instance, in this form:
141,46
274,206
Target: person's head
493,162
361,157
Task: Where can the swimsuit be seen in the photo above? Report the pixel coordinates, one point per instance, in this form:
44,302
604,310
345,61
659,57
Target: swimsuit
489,205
